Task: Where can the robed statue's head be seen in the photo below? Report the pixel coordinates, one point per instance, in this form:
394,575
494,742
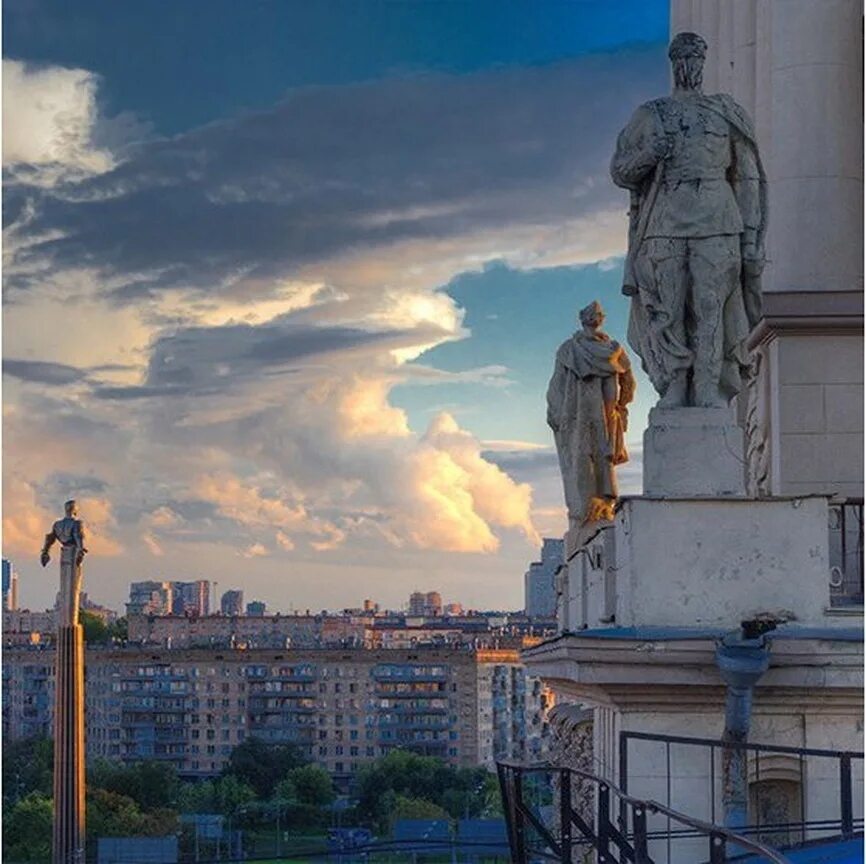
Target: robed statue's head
592,315
687,53
71,508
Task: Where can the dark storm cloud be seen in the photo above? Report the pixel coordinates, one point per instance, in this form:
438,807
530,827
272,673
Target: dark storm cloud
334,169
41,372
61,484
204,360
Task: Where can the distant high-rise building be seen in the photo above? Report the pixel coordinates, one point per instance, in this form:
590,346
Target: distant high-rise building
432,603
190,598
540,580
425,604
256,609
454,609
10,586
417,600
371,606
150,598
232,603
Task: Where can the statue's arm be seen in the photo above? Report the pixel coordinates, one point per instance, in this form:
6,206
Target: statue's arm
46,546
746,183
639,148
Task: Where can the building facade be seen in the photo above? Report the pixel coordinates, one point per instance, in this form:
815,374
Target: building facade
190,598
232,602
150,598
540,580
10,586
191,707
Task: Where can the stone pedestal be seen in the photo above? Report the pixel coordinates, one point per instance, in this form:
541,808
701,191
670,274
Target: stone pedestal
702,563
69,756
693,452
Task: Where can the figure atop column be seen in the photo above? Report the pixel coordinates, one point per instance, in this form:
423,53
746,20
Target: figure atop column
696,236
69,532
587,409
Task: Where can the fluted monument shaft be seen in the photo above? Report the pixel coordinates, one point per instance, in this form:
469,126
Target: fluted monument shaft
68,843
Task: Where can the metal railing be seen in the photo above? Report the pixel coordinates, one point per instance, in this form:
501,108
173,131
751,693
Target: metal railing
557,831
845,822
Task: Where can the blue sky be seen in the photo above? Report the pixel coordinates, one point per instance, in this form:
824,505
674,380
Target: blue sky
313,262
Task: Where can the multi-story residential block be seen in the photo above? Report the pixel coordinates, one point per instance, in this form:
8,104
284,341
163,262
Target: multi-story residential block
10,586
232,602
190,598
150,598
23,627
417,601
540,580
250,631
191,707
256,608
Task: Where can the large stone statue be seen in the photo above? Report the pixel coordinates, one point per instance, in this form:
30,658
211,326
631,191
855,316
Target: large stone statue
587,409
696,238
69,532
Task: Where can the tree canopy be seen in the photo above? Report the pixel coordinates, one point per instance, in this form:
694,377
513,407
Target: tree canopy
262,766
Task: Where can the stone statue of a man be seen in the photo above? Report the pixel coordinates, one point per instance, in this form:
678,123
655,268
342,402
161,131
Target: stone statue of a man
69,532
696,239
587,409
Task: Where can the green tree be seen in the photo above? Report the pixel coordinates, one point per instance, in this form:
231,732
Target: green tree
403,773
150,784
119,630
111,814
414,808
28,766
312,785
262,766
223,795
27,829
95,629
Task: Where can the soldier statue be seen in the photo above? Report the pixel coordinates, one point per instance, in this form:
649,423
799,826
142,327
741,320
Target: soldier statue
696,238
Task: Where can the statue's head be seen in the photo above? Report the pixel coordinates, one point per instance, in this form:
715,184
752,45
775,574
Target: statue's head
71,508
592,315
687,53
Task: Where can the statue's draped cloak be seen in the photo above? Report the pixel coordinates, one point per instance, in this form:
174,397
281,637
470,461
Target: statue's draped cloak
590,437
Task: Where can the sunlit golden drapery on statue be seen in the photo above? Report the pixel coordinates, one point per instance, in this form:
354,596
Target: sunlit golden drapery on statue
587,409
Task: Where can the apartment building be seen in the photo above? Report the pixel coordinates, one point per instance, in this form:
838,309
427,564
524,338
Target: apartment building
191,707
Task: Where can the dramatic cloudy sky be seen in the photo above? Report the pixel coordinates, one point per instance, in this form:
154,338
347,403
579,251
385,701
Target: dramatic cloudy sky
284,280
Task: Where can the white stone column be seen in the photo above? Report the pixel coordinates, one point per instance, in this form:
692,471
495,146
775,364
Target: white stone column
816,193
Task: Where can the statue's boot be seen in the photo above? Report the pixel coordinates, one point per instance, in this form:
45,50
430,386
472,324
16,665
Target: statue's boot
677,393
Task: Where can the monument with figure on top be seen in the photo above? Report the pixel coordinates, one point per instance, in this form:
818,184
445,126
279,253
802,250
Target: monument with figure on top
69,755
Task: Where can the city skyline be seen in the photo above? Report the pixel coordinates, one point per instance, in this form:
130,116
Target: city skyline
301,351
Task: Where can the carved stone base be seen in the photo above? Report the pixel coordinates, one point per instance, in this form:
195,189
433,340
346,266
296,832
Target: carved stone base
693,452
68,839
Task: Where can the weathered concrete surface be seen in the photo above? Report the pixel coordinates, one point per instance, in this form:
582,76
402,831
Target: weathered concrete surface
703,563
693,452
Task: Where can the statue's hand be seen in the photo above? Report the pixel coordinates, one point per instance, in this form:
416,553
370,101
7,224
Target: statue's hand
44,558
663,147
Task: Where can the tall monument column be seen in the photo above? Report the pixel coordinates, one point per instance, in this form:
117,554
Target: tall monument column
69,756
